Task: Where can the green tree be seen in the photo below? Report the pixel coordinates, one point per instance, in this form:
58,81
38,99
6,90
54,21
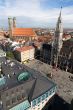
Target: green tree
10,55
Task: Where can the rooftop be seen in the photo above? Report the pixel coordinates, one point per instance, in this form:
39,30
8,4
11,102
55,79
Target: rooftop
45,38
23,32
2,59
25,48
1,51
32,84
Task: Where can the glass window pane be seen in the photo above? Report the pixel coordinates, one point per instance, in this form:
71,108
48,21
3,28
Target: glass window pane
46,94
39,100
43,97
23,95
19,97
8,103
13,100
34,103
49,92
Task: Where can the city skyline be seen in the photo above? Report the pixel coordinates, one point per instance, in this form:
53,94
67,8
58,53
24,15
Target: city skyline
36,13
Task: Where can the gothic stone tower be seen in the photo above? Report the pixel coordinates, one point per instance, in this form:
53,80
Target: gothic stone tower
57,42
14,22
10,26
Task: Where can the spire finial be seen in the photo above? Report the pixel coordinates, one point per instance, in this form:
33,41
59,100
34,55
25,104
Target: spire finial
60,12
61,8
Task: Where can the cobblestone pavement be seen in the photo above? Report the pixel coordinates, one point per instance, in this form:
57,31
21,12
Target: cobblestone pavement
61,78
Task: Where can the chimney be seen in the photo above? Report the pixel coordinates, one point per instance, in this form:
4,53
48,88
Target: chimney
10,26
14,22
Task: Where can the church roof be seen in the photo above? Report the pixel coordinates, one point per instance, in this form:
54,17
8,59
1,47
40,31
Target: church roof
23,32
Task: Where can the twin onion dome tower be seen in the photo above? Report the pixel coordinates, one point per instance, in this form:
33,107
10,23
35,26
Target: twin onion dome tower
12,24
57,41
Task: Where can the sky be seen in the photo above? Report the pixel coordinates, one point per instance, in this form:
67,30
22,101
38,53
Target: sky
36,13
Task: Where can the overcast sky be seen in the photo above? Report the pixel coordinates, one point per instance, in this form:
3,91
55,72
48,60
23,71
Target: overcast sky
36,13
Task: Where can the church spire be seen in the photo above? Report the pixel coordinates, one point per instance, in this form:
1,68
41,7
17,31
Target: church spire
60,12
60,18
59,22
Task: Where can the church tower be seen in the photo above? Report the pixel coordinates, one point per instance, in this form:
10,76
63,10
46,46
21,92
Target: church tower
14,22
57,42
10,26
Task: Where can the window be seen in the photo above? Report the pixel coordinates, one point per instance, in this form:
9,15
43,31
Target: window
34,103
12,92
39,100
21,87
0,96
8,103
43,96
7,94
55,88
49,92
18,97
52,90
17,90
13,100
23,95
46,94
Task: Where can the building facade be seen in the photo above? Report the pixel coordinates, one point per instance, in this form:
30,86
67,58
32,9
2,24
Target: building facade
2,53
2,57
24,53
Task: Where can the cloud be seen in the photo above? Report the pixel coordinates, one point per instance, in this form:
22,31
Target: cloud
66,1
31,9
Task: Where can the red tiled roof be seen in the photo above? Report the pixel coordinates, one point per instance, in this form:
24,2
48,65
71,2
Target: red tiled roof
21,49
23,32
44,38
1,33
66,36
37,44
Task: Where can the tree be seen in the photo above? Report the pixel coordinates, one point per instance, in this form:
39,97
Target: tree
10,55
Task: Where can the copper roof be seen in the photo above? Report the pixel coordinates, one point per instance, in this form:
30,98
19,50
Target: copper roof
25,48
23,32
